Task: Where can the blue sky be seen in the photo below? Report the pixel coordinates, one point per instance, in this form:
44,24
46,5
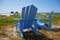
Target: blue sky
6,6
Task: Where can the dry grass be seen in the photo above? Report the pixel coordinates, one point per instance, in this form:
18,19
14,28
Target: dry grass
51,34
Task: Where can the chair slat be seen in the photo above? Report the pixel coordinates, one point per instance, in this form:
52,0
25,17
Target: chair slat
28,15
32,13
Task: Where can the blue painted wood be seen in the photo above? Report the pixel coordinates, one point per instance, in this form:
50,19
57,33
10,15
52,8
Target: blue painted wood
34,27
32,13
44,25
49,20
22,22
18,26
28,16
21,28
28,20
23,12
23,17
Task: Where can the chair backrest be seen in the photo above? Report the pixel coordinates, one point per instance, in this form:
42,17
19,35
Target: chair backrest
28,15
49,17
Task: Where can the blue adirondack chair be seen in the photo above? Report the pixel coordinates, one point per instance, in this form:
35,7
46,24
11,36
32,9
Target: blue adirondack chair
16,20
28,21
44,25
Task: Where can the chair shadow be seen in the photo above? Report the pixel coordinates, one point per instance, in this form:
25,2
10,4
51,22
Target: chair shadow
56,29
31,36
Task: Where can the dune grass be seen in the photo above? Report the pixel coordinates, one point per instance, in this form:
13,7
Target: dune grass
9,20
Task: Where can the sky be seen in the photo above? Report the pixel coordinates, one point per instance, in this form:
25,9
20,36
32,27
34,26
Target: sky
6,6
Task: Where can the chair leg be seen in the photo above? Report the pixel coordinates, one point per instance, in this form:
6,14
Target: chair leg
35,30
21,33
17,27
21,29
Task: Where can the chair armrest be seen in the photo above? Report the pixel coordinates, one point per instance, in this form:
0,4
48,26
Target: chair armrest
16,20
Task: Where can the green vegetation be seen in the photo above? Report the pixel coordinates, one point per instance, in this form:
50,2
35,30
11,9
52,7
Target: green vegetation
9,20
55,17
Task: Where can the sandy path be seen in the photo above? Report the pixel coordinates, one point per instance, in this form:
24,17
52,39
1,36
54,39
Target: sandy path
12,35
10,32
